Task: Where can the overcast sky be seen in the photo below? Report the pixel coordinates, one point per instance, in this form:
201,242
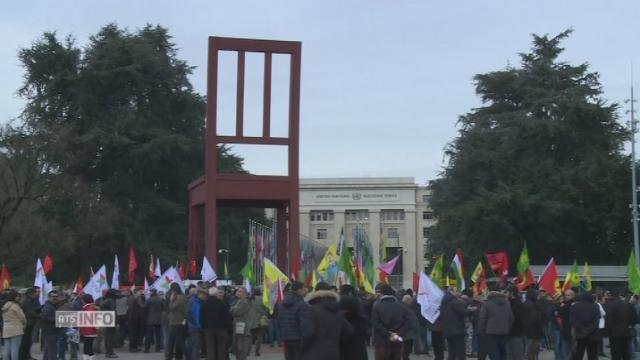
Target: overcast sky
383,82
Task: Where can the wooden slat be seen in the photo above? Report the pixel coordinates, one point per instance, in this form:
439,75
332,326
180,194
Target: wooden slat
240,95
266,101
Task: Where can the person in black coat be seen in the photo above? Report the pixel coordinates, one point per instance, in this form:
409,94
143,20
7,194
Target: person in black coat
584,317
291,315
31,308
354,346
515,346
619,324
390,319
452,313
533,324
327,329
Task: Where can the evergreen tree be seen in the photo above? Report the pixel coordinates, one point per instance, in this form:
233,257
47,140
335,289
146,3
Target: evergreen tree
539,162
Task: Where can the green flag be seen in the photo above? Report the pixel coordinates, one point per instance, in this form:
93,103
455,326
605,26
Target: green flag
437,273
633,274
247,271
345,264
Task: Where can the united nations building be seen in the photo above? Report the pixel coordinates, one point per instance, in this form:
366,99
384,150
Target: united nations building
394,213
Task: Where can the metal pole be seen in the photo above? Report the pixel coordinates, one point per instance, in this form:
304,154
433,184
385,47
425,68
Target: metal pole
634,195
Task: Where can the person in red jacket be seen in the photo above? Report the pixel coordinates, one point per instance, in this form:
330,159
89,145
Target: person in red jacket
88,334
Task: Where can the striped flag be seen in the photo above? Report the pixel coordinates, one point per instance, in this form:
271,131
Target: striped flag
457,268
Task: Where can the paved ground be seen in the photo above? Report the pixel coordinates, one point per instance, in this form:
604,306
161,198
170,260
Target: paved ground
267,354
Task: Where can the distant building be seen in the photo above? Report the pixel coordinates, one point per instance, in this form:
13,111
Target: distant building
394,212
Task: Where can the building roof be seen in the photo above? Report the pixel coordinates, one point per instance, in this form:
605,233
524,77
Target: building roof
383,181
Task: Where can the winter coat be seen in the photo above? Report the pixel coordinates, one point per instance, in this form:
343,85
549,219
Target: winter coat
31,308
137,308
258,310
620,319
48,317
13,320
534,317
216,314
293,313
562,319
89,331
389,315
155,305
584,316
495,316
327,329
452,314
517,327
241,312
194,314
354,346
411,331
177,309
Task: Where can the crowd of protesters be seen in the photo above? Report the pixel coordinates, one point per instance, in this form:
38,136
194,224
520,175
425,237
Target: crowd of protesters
325,323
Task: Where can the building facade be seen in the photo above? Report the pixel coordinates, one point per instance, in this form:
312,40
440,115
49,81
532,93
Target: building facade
395,214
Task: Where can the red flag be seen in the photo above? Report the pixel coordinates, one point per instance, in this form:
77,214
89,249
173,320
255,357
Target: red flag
79,285
5,278
523,282
499,263
548,281
133,264
416,283
181,271
193,268
152,268
480,285
48,264
382,276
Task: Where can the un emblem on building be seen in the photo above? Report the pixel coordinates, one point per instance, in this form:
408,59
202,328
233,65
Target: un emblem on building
356,196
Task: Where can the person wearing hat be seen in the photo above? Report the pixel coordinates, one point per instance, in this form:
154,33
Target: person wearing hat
389,319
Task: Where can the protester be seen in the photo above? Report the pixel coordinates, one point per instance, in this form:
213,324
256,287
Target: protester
241,312
584,317
13,324
437,338
31,309
389,319
354,346
88,333
516,338
293,312
562,313
495,322
620,320
109,304
217,322
121,319
410,336
48,326
453,312
323,334
533,324
259,322
194,321
155,307
177,314
136,319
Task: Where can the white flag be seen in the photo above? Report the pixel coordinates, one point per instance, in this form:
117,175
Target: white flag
170,276
158,271
146,288
97,283
207,272
115,281
429,297
41,282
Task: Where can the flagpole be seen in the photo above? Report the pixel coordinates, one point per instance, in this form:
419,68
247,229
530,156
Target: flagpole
634,195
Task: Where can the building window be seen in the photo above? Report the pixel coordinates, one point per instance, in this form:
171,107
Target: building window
356,215
427,199
426,232
393,233
322,234
321,215
392,215
427,215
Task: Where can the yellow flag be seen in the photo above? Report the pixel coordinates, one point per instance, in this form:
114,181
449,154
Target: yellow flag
274,282
477,272
586,274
